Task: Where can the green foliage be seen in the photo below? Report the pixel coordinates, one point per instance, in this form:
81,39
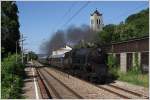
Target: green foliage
140,22
138,79
136,68
112,65
9,27
135,26
111,61
32,56
133,76
12,73
105,36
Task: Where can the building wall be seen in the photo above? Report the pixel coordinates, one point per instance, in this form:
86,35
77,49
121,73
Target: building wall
125,53
132,46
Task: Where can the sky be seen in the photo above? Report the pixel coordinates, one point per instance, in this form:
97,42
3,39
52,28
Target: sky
40,19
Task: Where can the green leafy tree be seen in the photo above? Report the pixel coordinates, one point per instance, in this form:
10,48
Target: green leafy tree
135,26
139,22
9,27
32,55
105,36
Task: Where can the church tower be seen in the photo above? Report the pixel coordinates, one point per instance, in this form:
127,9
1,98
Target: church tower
96,21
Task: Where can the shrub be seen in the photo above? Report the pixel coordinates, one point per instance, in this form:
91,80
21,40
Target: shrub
12,75
134,74
112,65
136,68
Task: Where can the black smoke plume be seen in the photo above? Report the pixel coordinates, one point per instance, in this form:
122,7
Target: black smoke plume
71,36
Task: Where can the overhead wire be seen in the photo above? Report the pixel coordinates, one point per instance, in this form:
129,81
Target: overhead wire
75,14
69,10
66,13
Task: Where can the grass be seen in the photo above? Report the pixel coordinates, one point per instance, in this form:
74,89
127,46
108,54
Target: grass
133,76
137,79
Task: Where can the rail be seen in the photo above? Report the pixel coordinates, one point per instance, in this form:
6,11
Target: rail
109,90
68,88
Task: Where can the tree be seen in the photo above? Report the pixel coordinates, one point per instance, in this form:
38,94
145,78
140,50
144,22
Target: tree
135,26
9,27
138,23
105,36
32,55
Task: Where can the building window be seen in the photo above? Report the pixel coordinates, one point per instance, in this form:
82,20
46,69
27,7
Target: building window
97,21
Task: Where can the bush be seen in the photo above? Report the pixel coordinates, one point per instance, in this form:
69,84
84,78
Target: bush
112,66
133,76
136,68
12,76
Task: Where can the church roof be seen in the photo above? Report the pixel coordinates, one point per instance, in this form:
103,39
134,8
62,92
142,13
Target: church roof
96,12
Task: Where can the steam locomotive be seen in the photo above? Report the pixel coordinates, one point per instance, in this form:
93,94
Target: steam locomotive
88,63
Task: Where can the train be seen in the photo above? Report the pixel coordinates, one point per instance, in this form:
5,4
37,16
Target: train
88,63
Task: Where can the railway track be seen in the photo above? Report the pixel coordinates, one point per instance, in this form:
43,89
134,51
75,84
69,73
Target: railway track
109,90
121,92
57,88
126,94
129,91
45,94
48,85
114,92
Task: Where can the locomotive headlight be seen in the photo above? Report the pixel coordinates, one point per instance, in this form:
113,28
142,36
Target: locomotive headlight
88,64
99,50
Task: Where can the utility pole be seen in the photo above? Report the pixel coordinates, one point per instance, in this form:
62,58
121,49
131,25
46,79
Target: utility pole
26,54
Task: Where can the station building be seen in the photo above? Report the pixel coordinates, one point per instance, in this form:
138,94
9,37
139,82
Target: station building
60,52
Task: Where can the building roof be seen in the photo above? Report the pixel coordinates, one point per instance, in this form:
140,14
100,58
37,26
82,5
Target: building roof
60,52
57,56
96,12
66,48
131,40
